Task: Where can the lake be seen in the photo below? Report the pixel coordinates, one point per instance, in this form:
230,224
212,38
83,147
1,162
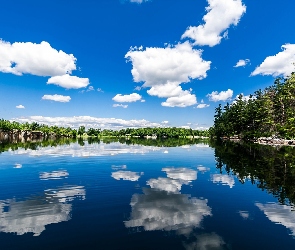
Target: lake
146,194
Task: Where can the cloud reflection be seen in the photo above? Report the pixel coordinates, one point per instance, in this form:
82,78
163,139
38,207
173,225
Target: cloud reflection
126,175
279,214
207,242
223,179
162,210
32,215
54,175
88,150
184,174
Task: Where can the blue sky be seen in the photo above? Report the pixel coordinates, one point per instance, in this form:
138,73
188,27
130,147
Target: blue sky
116,63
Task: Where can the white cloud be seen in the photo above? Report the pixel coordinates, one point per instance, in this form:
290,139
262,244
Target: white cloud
164,69
161,210
242,63
126,175
20,106
202,105
100,90
88,122
223,179
54,175
69,82
127,98
120,105
57,98
221,14
279,214
165,122
222,96
138,88
183,100
244,98
279,64
36,59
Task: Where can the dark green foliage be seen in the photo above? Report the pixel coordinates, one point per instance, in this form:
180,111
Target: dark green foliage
270,112
271,169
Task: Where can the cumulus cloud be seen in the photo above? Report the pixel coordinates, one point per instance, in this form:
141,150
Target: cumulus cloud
202,105
279,214
245,98
88,122
127,98
69,82
242,63
56,98
120,105
279,64
126,175
184,99
161,210
36,59
20,106
41,60
223,179
164,69
221,14
222,96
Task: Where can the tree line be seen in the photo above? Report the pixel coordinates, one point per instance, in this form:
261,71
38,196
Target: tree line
159,132
266,113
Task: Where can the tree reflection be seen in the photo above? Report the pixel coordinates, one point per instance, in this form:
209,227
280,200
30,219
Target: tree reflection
270,168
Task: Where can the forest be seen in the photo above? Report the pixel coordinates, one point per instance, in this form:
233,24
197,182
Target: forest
159,132
266,113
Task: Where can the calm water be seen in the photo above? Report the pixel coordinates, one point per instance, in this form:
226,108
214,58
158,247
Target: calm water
118,196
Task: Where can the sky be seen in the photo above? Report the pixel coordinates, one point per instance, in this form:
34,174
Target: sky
114,64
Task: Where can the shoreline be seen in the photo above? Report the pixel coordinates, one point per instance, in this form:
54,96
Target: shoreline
265,141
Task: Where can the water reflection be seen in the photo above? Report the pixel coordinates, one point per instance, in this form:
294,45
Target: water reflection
206,242
223,179
33,214
176,178
54,175
163,207
162,210
279,214
184,174
126,175
270,168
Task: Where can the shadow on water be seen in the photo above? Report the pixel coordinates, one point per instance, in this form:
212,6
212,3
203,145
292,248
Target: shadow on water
269,168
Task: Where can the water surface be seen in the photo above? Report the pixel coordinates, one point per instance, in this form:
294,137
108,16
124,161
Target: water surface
112,195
